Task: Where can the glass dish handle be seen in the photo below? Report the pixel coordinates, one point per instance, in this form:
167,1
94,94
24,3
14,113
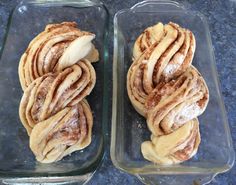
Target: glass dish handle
196,179
78,3
156,5
70,180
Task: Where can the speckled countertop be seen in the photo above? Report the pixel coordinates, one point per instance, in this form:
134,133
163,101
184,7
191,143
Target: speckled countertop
221,15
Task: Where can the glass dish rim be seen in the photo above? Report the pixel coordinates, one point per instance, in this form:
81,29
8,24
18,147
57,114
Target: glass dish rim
92,167
155,169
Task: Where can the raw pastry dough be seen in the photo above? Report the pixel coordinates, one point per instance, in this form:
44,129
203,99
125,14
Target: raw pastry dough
173,148
63,133
57,47
172,104
52,92
168,91
161,53
56,75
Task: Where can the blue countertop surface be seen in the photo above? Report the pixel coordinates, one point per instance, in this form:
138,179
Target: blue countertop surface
221,15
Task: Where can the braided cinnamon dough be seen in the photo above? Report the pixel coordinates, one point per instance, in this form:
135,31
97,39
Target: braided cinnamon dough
161,52
56,75
173,148
176,102
57,47
63,133
52,92
168,91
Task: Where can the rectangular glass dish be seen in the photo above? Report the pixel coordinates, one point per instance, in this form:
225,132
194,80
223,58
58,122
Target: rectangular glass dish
215,154
29,18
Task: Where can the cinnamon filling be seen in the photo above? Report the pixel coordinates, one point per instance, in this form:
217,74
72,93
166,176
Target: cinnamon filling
40,98
185,153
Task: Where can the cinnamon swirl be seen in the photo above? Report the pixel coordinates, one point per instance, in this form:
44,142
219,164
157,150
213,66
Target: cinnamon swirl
57,47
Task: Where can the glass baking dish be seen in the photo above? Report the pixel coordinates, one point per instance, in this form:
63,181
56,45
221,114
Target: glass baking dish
129,130
17,162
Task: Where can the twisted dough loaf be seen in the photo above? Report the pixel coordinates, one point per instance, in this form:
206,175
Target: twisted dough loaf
56,75
161,52
54,49
168,91
52,92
